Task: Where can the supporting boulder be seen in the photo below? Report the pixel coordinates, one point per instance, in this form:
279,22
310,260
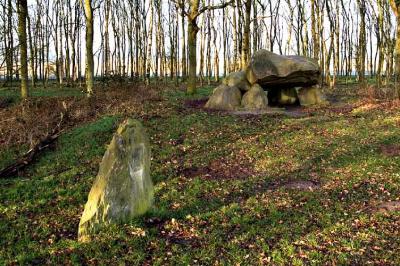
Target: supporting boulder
255,99
123,188
238,80
310,96
224,98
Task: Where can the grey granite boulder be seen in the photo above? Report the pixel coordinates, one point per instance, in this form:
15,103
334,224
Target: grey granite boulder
224,98
238,80
311,96
255,99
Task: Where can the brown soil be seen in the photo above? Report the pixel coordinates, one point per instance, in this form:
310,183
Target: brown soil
390,150
195,104
221,169
344,109
269,111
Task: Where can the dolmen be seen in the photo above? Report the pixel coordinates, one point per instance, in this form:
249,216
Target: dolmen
270,79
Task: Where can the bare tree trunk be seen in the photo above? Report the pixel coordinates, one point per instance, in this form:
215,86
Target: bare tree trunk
22,8
314,31
396,10
225,42
246,35
184,60
235,34
380,41
361,43
193,29
10,44
107,7
32,52
336,66
89,47
202,42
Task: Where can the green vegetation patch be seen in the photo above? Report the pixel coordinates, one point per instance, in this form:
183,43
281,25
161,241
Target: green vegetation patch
220,194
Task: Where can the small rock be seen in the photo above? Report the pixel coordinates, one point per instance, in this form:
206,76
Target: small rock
301,185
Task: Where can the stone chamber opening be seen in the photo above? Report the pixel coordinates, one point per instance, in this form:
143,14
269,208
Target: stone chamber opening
282,97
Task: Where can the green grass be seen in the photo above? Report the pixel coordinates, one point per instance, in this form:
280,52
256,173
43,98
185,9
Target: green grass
39,91
353,80
202,220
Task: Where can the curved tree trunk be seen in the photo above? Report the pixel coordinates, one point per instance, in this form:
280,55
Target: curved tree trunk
192,45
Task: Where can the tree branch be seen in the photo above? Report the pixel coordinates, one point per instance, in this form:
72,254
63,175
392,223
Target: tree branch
209,8
31,155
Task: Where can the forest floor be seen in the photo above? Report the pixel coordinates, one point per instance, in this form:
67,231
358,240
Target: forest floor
303,186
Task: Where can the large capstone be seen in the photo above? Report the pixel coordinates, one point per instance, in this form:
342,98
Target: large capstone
123,188
273,71
224,98
255,99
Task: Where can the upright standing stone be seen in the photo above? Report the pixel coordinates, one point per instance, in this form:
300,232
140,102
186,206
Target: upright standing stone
123,188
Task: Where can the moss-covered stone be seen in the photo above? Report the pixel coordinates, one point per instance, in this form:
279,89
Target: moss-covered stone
255,99
311,96
224,98
123,188
238,80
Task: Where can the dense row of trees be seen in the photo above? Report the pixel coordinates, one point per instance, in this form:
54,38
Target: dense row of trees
193,39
